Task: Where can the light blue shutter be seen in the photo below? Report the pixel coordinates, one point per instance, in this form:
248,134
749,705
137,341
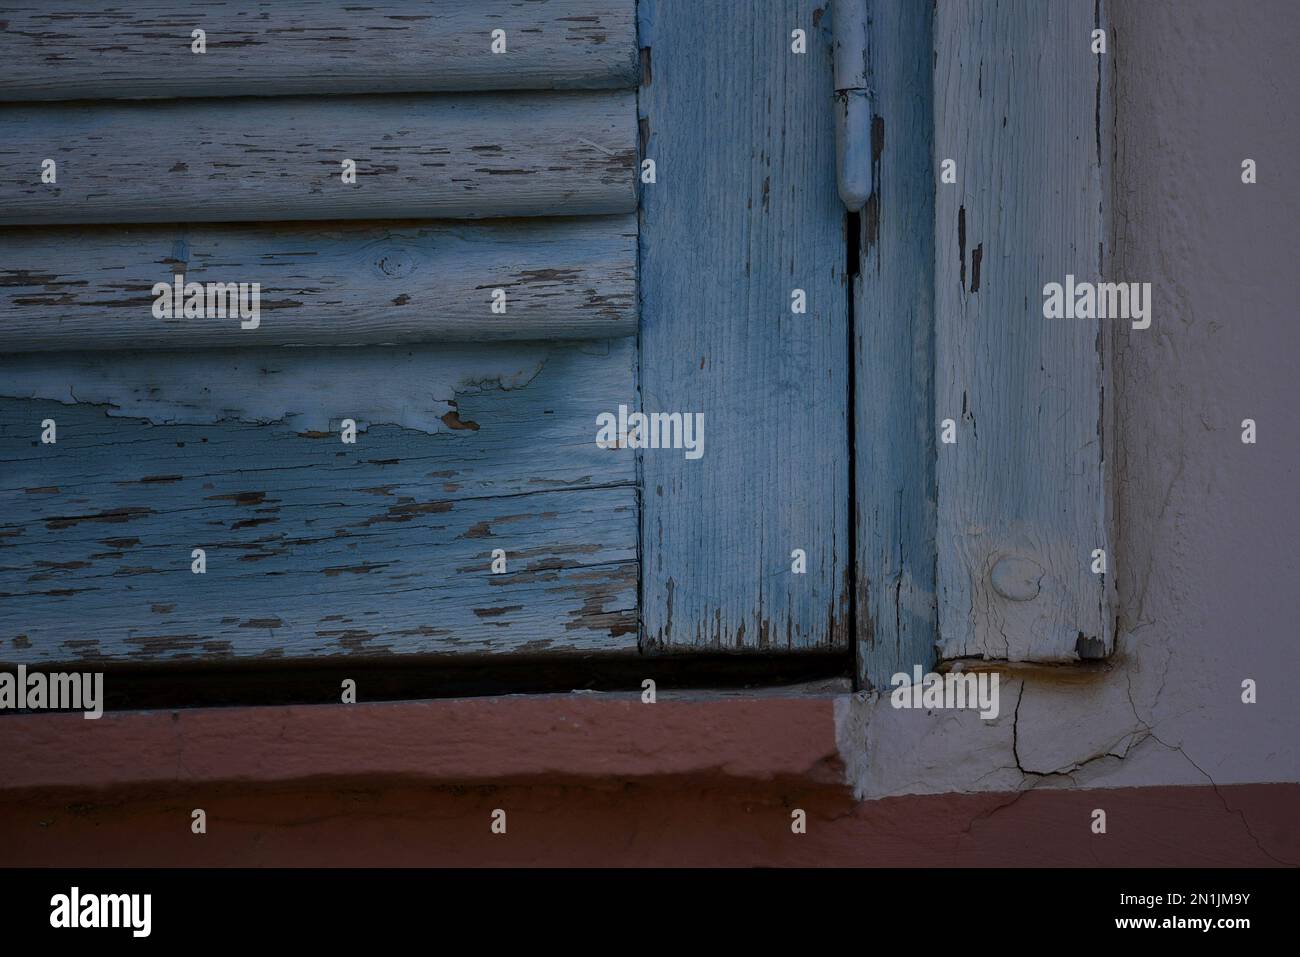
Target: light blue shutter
177,434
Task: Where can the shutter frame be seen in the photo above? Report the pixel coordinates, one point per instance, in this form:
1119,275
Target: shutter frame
1022,106
946,533
893,343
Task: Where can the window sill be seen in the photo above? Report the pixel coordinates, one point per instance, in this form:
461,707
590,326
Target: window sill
762,735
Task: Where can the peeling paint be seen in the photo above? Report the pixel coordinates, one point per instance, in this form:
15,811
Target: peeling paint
311,390
372,549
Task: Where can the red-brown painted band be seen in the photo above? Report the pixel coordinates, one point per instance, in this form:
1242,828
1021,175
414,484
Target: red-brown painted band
453,741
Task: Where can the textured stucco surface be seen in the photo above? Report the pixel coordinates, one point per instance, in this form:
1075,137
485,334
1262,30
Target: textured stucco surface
1207,527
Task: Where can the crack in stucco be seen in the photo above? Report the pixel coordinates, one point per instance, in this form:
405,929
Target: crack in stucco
1237,812
854,713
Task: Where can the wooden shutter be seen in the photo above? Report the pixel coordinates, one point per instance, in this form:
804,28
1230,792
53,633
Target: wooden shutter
1017,507
516,172
177,434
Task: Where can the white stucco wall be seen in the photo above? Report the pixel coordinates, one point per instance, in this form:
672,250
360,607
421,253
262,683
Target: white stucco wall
1208,527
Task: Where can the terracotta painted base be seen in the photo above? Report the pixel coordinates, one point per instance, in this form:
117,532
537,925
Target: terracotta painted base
677,822
701,780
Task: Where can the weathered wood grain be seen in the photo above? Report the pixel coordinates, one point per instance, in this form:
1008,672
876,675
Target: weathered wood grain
448,156
74,49
1021,495
745,210
316,548
341,284
894,355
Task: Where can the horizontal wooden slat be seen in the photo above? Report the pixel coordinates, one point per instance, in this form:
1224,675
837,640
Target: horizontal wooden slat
70,49
316,548
341,284
448,156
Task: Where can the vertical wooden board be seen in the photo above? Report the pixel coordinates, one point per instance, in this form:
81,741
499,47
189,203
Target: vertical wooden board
1021,495
893,323
744,210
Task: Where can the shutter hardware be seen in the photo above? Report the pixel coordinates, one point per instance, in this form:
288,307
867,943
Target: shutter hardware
852,103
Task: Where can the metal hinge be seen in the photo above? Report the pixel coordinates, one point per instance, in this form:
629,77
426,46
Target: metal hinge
852,103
